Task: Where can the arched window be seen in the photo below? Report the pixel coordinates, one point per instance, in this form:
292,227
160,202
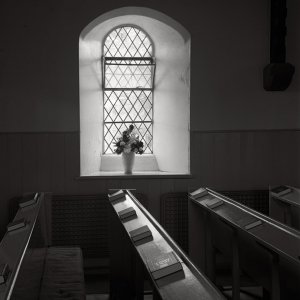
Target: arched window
128,73
134,66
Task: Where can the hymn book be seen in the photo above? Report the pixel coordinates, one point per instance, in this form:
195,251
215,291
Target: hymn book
140,233
27,201
16,225
253,224
119,195
164,265
3,273
214,203
199,193
281,190
126,213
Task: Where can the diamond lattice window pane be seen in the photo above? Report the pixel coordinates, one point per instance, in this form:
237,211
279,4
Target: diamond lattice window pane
127,41
128,74
128,83
132,107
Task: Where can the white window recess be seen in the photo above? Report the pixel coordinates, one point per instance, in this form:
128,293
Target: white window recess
171,101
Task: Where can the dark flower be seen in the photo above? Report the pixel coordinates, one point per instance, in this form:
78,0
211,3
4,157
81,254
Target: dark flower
119,150
129,141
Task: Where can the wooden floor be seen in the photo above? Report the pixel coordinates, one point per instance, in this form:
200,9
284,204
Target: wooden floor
106,297
243,296
249,293
97,297
97,288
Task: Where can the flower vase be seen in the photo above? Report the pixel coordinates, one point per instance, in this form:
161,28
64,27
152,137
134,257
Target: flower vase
128,161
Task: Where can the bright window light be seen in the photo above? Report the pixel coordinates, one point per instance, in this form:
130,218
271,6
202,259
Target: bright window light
128,76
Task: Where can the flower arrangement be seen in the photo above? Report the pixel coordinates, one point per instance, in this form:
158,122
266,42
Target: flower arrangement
129,142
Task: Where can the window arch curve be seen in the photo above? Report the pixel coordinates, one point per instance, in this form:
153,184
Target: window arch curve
128,73
126,34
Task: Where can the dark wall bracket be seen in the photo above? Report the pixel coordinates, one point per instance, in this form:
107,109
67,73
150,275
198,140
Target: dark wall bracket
278,74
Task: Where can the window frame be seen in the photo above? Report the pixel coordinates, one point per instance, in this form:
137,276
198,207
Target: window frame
152,64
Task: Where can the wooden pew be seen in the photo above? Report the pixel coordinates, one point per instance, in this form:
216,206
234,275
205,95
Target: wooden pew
34,270
264,249
14,243
285,205
130,259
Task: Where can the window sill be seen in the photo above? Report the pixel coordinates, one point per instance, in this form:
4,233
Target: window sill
135,174
112,163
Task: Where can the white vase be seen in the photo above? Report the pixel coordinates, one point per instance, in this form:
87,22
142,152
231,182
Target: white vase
128,161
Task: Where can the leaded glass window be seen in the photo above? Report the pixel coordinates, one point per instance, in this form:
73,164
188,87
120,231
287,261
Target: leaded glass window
128,75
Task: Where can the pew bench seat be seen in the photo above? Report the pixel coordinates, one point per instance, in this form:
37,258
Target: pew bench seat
63,276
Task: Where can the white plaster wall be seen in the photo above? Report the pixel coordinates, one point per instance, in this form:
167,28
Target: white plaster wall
172,102
91,112
171,95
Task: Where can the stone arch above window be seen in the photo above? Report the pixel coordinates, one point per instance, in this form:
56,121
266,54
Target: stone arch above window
171,109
